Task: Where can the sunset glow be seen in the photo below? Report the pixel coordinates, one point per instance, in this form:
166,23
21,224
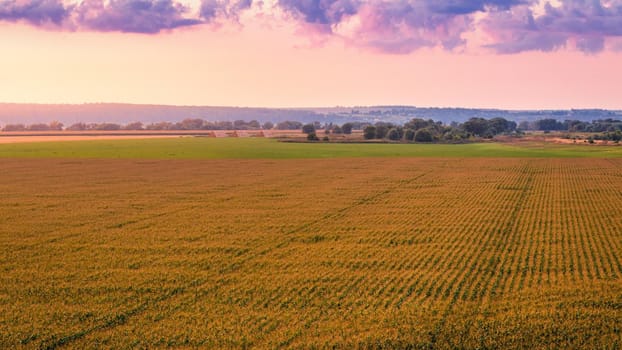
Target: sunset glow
499,54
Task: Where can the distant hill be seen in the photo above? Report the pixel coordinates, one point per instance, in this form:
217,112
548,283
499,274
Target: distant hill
13,113
126,113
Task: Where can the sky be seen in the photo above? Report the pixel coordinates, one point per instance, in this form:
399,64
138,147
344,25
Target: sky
511,54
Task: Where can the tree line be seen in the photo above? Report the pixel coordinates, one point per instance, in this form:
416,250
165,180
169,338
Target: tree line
599,125
186,124
53,126
417,129
421,130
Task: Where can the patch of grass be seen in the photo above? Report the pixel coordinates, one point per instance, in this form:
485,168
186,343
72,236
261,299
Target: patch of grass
257,148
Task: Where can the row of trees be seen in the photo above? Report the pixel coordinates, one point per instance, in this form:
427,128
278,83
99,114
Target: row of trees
55,125
600,125
615,136
186,124
346,128
417,129
421,130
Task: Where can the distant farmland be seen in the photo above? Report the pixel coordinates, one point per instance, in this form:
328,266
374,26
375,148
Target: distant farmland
372,252
262,148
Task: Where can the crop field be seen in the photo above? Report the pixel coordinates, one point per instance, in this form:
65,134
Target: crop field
386,252
263,148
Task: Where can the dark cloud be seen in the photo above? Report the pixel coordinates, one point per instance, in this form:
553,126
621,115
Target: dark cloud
36,12
323,12
210,9
132,16
213,9
404,26
396,26
591,45
464,7
333,11
393,26
242,5
586,24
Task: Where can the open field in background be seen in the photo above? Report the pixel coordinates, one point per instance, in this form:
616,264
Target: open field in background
371,252
263,148
92,135
41,138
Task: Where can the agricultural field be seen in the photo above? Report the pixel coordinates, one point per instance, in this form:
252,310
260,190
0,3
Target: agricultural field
158,243
265,148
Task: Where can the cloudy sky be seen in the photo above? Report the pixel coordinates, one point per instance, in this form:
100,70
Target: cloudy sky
283,53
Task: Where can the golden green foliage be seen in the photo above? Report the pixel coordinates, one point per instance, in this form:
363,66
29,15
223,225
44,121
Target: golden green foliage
371,253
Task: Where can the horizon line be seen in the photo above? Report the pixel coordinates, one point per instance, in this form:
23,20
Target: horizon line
308,107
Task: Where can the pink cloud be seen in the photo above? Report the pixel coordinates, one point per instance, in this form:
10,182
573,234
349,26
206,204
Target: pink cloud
388,26
584,24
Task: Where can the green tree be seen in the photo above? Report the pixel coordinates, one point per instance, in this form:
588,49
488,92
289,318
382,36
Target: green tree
108,126
369,132
418,123
346,128
239,125
423,135
77,127
308,129
393,134
476,126
549,124
312,136
14,127
192,124
39,127
289,125
381,131
134,126
409,134
56,125
153,126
